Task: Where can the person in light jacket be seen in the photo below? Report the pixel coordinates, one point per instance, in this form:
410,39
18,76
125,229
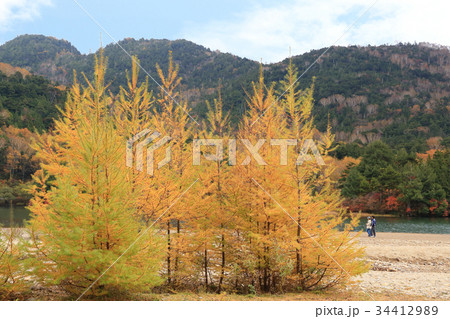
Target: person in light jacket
374,224
369,226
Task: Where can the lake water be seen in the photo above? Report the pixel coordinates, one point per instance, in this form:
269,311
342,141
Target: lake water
20,214
430,225
384,224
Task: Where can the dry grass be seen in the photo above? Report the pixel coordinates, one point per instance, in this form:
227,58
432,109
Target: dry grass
353,294
304,296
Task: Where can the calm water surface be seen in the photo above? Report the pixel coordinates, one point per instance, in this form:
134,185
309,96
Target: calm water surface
431,225
20,214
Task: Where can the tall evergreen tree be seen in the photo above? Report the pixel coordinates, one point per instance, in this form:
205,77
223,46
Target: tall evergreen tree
84,207
171,119
313,242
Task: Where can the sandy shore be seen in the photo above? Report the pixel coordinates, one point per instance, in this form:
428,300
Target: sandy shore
406,264
413,264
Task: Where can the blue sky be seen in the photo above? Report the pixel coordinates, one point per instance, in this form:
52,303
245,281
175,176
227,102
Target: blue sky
135,18
248,28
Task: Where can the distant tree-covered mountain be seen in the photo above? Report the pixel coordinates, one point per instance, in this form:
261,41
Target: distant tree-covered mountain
28,101
399,93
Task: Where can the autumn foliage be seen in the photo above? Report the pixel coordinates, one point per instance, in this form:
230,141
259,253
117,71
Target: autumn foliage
85,204
237,222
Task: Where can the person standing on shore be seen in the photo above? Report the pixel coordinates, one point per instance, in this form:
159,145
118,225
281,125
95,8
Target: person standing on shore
369,226
374,224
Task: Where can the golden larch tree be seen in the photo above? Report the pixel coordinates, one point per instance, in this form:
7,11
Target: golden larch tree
83,220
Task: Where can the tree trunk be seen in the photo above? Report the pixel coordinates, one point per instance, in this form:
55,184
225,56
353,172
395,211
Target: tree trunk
206,268
169,279
222,266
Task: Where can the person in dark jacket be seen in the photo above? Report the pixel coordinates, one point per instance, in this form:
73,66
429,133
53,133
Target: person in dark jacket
369,226
374,224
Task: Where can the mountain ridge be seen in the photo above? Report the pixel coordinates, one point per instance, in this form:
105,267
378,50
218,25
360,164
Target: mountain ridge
397,93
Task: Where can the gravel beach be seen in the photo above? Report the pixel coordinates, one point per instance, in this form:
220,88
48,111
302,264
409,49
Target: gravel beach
412,264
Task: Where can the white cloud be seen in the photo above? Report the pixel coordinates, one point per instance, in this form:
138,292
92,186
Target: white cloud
267,32
12,11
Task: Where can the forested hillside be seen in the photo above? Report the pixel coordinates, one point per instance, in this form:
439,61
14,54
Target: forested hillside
29,102
397,94
400,93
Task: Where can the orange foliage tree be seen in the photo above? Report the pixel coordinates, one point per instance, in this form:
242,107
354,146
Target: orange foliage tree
263,216
85,206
